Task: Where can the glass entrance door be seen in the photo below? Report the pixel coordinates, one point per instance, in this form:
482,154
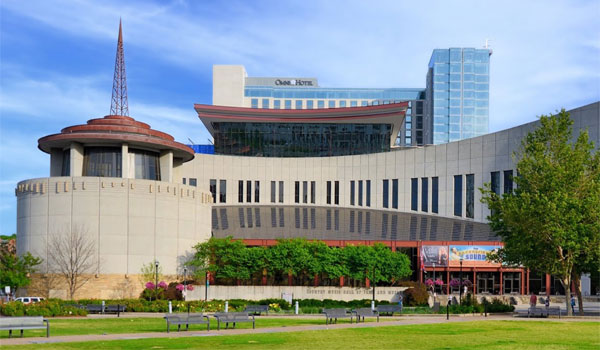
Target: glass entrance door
485,282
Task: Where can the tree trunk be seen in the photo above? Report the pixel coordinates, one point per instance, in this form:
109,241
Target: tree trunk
566,282
290,278
577,282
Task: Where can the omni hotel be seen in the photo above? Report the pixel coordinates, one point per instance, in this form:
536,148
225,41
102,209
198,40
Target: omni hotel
291,159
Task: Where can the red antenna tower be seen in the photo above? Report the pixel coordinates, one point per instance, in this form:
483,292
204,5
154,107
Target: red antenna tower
118,104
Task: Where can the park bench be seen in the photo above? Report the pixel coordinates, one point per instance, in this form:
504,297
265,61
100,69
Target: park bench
535,312
553,310
331,315
257,309
94,308
388,309
20,323
114,309
233,317
365,312
186,319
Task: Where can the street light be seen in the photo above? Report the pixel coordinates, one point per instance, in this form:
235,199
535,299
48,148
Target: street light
434,283
184,282
156,279
460,287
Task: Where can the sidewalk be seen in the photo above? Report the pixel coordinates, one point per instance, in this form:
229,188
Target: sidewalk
126,336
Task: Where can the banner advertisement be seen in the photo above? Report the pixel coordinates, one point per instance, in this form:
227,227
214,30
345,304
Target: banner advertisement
437,254
472,255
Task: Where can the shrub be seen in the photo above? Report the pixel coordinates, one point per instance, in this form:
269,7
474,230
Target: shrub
416,296
46,308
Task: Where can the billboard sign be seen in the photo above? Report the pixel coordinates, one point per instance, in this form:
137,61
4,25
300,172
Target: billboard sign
472,255
437,254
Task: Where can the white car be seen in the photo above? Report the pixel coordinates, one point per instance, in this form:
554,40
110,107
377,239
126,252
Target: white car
29,300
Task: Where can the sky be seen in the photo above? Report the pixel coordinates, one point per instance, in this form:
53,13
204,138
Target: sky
57,59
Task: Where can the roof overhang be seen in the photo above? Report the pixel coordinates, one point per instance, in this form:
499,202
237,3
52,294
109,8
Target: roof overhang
392,114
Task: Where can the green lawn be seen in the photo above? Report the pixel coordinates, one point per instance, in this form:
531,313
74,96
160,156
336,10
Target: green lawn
116,325
495,335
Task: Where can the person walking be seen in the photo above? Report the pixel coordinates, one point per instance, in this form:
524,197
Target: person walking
533,300
573,304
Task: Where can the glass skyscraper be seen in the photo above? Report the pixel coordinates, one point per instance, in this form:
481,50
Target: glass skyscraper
458,93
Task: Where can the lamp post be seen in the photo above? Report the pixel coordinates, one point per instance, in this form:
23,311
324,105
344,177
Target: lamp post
460,287
184,282
156,279
434,283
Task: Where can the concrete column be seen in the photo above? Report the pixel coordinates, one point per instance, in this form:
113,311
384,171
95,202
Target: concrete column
501,283
448,281
166,166
125,161
548,286
474,282
76,159
56,161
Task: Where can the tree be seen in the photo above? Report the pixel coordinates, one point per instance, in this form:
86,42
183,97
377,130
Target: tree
15,270
148,273
551,222
72,256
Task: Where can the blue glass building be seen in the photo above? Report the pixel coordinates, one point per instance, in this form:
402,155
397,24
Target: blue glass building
458,93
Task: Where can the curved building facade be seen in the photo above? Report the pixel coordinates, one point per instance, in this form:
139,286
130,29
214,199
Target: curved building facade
114,182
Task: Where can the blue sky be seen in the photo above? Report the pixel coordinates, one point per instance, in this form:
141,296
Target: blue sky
57,57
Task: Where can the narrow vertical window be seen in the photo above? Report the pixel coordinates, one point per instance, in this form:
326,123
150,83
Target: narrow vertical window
395,193
386,193
273,194
256,191
434,194
304,191
312,191
241,191
248,191
508,181
297,192
213,189
495,175
360,193
223,191
337,193
351,192
328,192
470,199
424,194
414,194
280,191
458,195
368,194
254,103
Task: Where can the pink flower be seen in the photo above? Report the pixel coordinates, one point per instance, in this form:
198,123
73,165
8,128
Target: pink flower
162,284
190,287
150,285
439,282
429,282
179,287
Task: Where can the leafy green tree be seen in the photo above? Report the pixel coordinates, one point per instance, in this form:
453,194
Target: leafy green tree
551,221
15,270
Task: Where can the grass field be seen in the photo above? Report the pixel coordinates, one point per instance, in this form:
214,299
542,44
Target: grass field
494,335
77,326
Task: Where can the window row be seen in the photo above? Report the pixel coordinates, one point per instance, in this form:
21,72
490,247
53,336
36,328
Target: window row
357,186
305,192
414,194
265,103
248,193
222,190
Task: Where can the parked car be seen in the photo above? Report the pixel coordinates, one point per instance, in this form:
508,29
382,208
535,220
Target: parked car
29,300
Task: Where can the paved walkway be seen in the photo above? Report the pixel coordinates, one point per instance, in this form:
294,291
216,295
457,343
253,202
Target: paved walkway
399,322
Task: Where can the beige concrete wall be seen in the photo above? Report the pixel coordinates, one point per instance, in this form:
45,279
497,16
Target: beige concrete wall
228,85
320,293
131,222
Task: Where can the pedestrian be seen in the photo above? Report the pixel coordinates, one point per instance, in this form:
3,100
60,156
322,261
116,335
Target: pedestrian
547,302
400,301
533,300
573,304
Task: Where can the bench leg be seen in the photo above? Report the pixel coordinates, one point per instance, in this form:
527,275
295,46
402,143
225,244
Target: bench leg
10,333
21,333
187,327
233,325
178,327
